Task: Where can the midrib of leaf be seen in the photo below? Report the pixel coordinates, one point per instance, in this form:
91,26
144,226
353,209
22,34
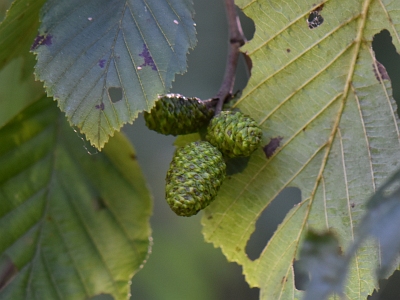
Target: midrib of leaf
358,41
38,251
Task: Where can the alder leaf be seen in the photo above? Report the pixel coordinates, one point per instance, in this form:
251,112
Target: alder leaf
330,128
106,61
78,226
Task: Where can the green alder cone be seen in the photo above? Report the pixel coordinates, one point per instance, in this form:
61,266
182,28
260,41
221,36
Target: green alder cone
174,114
234,134
194,177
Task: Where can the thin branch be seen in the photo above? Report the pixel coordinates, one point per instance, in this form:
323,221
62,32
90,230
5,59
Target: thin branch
236,40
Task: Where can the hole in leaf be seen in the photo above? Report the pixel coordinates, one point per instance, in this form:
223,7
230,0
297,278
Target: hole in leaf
301,278
389,289
247,24
386,54
269,220
115,94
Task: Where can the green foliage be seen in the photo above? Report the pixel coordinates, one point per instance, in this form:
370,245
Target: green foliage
130,47
74,225
330,129
13,100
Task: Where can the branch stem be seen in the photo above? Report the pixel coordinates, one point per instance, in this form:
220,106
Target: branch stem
236,40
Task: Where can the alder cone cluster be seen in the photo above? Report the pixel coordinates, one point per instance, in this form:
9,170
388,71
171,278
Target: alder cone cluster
198,169
174,114
195,175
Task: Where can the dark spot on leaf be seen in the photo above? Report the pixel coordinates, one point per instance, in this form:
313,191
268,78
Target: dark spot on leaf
209,217
148,60
380,71
49,218
269,149
283,279
288,50
100,106
133,156
352,205
115,94
238,249
40,40
102,63
315,19
99,204
7,271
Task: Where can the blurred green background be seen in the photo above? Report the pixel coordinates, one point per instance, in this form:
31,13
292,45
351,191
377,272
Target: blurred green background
182,265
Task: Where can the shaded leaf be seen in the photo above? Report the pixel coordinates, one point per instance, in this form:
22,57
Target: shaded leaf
18,30
17,91
87,48
382,221
321,257
328,269
316,89
74,225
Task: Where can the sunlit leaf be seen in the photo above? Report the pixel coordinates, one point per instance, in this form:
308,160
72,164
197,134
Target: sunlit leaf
73,225
106,61
330,128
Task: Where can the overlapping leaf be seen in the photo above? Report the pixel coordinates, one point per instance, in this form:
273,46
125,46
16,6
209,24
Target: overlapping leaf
325,106
327,266
72,225
106,61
